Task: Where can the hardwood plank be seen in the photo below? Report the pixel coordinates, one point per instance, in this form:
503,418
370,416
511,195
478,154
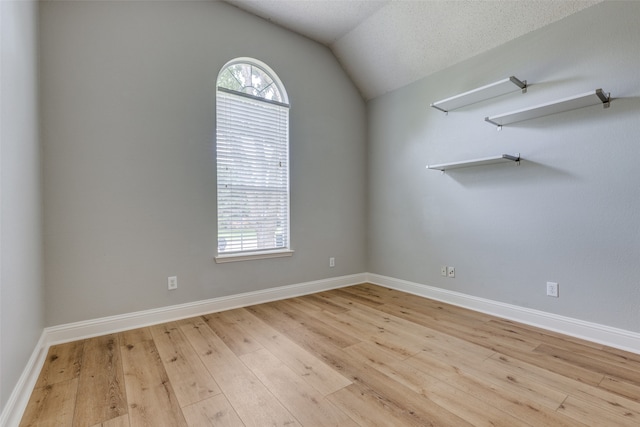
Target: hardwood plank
315,372
595,416
380,395
372,354
215,411
324,350
134,336
441,311
598,366
626,355
517,406
621,387
594,395
399,326
312,325
558,366
303,305
101,393
408,338
522,386
480,333
303,401
541,335
151,399
466,406
62,364
231,334
333,321
492,395
375,293
189,378
51,405
277,315
253,402
491,374
445,362
605,355
611,402
360,295
326,302
121,421
404,344
374,400
366,407
504,336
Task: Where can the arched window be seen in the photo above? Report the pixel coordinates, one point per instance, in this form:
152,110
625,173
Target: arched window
252,147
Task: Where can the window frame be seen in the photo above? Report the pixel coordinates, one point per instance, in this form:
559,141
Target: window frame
275,252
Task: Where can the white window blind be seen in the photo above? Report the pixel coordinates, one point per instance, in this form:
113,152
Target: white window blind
253,173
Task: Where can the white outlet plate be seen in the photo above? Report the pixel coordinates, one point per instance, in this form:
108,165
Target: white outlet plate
451,271
332,262
552,289
172,283
443,271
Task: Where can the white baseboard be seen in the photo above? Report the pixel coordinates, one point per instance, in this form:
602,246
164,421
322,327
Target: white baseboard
613,337
17,402
123,322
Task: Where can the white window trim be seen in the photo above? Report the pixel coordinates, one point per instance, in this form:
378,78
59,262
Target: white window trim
247,256
270,253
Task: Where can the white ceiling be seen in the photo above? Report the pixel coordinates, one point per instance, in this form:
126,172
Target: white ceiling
387,44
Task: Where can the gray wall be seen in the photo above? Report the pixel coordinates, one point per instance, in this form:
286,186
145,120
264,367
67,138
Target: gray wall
569,213
21,284
128,122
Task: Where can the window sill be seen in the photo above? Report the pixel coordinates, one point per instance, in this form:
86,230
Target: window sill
246,256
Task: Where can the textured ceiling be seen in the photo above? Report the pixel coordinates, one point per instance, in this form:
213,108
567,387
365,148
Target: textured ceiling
384,45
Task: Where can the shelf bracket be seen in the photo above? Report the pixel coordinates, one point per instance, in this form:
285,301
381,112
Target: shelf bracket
606,99
522,84
446,112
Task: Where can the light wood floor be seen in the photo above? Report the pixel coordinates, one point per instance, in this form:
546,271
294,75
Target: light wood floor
359,356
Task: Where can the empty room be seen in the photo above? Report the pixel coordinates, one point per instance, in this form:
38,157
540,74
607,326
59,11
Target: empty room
319,213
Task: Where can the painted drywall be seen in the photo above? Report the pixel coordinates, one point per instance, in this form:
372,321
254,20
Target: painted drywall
568,214
128,123
21,283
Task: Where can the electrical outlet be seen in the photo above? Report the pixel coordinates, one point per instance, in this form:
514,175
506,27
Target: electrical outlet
552,289
172,283
443,271
451,271
332,262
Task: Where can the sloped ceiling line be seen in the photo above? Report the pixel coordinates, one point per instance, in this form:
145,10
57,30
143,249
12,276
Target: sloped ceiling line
388,44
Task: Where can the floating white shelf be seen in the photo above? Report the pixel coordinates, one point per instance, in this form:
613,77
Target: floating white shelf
492,90
504,158
593,97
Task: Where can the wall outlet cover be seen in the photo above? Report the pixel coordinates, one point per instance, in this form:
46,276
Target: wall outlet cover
552,289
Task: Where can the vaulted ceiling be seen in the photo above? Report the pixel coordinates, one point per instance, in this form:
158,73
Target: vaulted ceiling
387,44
